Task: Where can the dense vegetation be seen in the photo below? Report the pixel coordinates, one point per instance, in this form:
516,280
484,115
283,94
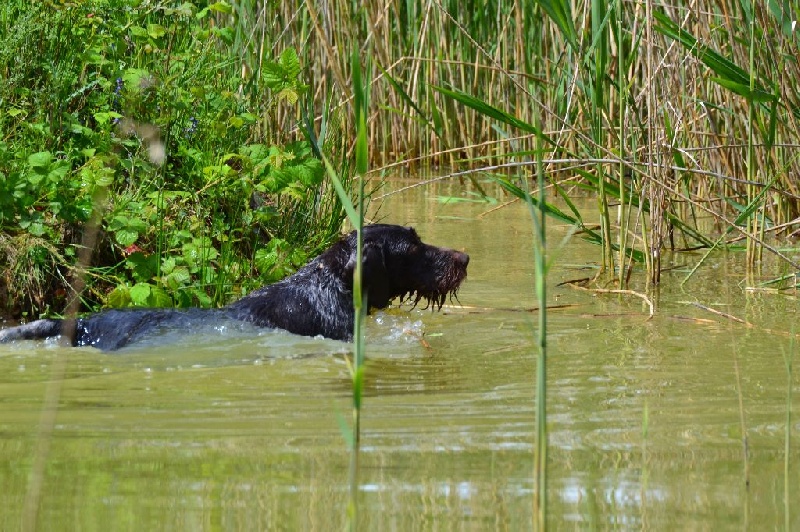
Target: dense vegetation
146,133
192,131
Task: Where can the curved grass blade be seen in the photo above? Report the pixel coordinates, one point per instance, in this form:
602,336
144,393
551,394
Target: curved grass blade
561,14
729,74
554,212
612,189
548,208
493,112
406,98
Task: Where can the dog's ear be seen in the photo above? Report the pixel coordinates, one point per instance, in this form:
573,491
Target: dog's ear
374,276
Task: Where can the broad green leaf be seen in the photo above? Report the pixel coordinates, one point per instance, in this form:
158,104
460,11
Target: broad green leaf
117,223
204,247
273,75
37,229
136,79
119,297
266,259
58,172
256,152
138,225
40,159
185,9
125,237
225,34
156,31
290,62
203,299
221,7
288,94
105,117
168,265
158,298
140,292
138,31
178,278
104,177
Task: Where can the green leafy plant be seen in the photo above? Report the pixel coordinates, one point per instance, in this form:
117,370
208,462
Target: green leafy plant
206,179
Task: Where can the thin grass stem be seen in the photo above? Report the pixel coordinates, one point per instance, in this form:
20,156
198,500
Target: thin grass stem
787,444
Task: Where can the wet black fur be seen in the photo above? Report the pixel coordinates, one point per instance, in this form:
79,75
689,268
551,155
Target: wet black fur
317,300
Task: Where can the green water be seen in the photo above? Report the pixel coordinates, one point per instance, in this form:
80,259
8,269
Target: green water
240,430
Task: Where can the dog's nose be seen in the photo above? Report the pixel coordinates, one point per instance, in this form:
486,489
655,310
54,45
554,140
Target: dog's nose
461,258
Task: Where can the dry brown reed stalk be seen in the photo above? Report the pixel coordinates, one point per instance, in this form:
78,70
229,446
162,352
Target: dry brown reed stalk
578,285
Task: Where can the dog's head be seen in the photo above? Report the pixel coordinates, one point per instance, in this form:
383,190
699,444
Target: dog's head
396,263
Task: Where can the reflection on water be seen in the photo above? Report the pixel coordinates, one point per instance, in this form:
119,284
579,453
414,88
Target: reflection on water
240,429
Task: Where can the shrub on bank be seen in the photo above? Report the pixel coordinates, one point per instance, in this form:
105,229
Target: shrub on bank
172,131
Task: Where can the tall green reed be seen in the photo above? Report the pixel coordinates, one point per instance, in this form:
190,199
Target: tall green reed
787,443
596,85
355,213
360,108
538,216
539,210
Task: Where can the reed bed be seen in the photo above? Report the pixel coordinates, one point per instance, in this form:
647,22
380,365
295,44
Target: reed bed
669,113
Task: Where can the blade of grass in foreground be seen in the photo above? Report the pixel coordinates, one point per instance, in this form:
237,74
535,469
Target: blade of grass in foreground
539,211
788,359
353,434
539,217
361,98
355,213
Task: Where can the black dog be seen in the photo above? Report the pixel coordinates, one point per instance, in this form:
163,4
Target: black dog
317,300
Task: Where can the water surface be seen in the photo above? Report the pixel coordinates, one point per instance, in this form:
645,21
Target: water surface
240,429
